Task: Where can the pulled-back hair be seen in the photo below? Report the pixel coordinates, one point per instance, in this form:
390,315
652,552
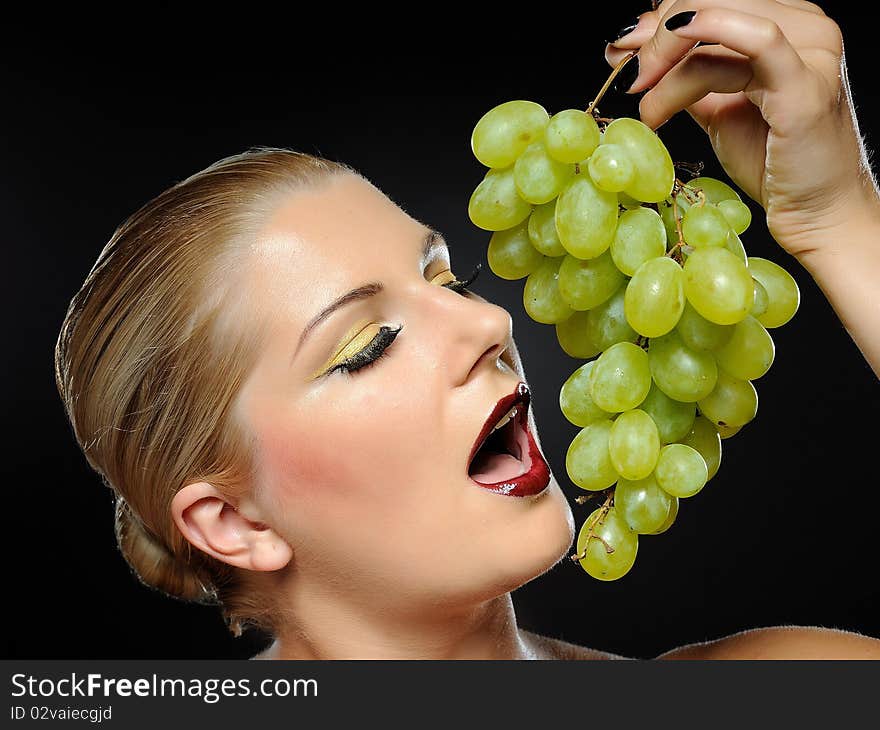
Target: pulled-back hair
151,357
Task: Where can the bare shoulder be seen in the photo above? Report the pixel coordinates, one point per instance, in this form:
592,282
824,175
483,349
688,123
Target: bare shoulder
547,647
783,642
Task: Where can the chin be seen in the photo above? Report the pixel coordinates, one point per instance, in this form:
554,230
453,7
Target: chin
555,525
539,541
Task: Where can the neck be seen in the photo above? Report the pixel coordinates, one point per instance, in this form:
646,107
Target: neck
336,630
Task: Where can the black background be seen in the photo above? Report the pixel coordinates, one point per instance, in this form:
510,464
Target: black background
96,123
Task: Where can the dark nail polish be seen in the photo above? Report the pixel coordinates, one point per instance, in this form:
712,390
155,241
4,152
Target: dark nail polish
625,31
680,20
627,75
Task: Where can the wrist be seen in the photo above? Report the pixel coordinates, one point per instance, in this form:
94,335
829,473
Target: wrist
853,231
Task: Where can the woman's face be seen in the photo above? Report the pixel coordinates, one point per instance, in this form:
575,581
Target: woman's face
365,474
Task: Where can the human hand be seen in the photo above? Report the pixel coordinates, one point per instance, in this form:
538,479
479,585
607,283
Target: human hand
772,94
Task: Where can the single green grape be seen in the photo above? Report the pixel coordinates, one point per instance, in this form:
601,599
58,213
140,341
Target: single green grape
699,333
575,401
574,337
634,444
611,167
607,324
681,470
586,217
611,547
737,214
670,519
718,285
704,438
704,226
571,135
783,295
587,460
643,505
654,298
541,297
749,353
511,254
495,204
733,402
735,246
725,432
504,132
680,372
655,174
537,176
542,230
621,378
586,283
640,236
715,190
762,301
674,418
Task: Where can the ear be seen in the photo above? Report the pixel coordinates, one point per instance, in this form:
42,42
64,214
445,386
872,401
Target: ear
212,524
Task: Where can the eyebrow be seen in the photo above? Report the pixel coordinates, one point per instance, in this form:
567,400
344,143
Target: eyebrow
432,240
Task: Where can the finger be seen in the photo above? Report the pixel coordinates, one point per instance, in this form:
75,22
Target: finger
647,24
705,110
644,29
706,70
614,56
774,61
758,7
801,5
667,47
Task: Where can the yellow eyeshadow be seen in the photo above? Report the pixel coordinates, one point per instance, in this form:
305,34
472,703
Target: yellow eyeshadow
354,344
448,275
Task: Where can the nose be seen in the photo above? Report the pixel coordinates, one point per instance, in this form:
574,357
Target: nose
475,332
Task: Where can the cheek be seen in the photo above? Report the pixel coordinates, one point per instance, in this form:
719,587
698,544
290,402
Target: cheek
342,457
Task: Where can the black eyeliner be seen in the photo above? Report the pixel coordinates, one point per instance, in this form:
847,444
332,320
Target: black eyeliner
372,352
459,286
385,336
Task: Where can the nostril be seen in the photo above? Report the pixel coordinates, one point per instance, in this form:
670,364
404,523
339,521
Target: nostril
491,353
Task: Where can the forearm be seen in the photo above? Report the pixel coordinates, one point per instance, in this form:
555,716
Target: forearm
847,269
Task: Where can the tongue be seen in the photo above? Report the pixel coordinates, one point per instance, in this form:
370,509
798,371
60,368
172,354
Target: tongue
489,467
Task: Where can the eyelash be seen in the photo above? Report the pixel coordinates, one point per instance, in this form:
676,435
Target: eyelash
462,286
378,346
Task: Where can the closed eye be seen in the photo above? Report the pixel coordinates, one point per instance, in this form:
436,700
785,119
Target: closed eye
378,346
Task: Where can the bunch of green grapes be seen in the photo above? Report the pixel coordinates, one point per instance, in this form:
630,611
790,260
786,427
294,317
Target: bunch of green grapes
645,278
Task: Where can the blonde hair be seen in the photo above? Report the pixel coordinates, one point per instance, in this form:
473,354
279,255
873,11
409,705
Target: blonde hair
151,356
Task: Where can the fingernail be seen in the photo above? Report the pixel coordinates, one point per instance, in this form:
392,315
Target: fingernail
624,31
627,75
680,20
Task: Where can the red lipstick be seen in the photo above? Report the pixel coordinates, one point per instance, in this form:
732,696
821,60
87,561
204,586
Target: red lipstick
535,474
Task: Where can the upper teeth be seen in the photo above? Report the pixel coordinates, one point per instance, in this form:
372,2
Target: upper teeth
505,418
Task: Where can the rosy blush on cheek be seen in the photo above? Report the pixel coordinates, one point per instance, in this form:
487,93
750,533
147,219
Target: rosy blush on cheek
298,461
329,450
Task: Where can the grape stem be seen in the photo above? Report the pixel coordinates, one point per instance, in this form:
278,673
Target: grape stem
695,196
675,252
597,520
617,69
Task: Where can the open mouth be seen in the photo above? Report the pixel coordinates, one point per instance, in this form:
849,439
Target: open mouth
505,457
